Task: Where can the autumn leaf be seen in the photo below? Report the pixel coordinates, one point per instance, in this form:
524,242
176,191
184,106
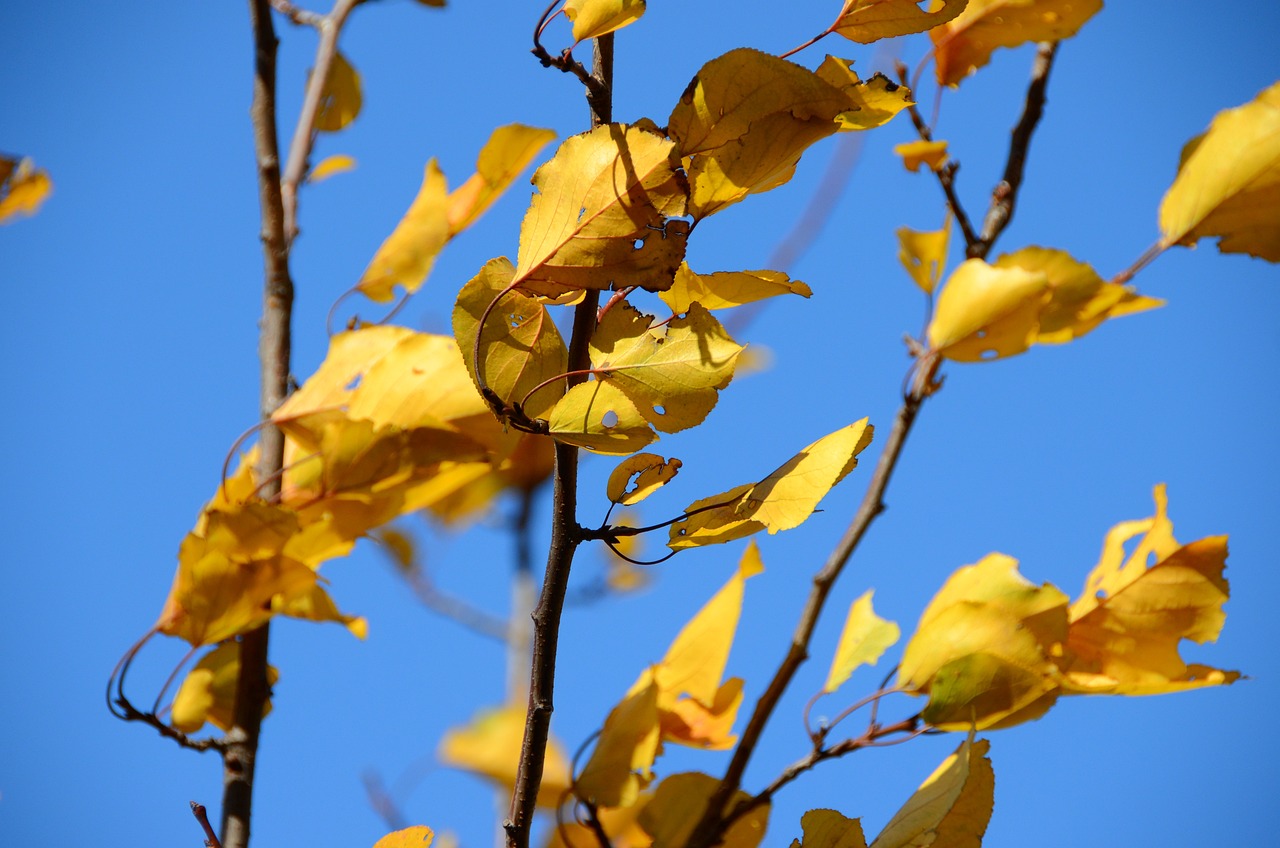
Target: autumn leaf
726,289
418,836
619,825
490,747
924,254
208,692
330,166
598,416
865,21
829,829
866,636
952,808
594,18
1125,628
509,150
678,804
622,763
966,43
639,476
986,312
673,374
340,97
1228,183
23,188
917,153
874,101
601,217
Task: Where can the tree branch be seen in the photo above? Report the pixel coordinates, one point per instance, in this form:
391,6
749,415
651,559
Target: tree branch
565,531
210,838
714,821
1005,195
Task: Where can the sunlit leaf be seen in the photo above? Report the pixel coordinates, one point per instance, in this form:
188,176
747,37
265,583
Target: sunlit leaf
1228,183
725,289
966,43
597,416
713,521
986,312
678,804
952,808
619,825
509,150
208,692
829,829
875,100
594,18
866,636
865,21
490,746
340,98
916,153
673,373
601,216
690,723
622,762
331,166
23,188
924,254
408,254
317,605
418,836
639,476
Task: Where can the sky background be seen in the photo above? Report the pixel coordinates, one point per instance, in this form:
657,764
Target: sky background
133,299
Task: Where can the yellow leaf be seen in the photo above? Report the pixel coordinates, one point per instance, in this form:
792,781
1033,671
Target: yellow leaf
829,829
678,804
865,21
330,166
490,747
619,825
597,416
601,216
316,605
966,43
690,723
208,693
340,98
23,188
713,521
866,636
406,257
418,836
1228,183
725,289
986,312
508,151
875,101
594,18
952,808
649,473
622,762
1080,299
917,153
1126,625
520,348
924,255
672,374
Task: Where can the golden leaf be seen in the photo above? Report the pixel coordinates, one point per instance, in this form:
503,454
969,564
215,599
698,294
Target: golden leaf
594,18
490,747
208,692
986,312
690,723
966,43
952,808
418,836
619,825
924,255
875,101
340,98
601,216
408,254
597,416
649,472
678,804
917,153
726,289
866,636
23,188
1228,183
509,150
622,762
331,166
865,21
829,829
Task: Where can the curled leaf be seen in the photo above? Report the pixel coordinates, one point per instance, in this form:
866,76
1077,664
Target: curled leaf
865,21
986,312
951,808
921,152
874,101
924,254
208,692
966,43
648,471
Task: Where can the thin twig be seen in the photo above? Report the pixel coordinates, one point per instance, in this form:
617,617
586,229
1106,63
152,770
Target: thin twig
565,61
210,838
1151,254
711,827
1005,196
565,531
301,17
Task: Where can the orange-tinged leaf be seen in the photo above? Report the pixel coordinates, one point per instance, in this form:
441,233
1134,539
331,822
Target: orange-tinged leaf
916,153
726,289
924,254
966,43
678,804
622,762
1127,624
509,150
865,21
23,188
874,101
986,312
830,829
490,746
639,476
208,692
952,808
866,636
597,416
594,18
331,166
689,722
601,216
520,348
340,98
673,374
418,836
1228,183
408,254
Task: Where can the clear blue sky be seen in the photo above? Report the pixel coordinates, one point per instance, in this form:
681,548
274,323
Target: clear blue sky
133,299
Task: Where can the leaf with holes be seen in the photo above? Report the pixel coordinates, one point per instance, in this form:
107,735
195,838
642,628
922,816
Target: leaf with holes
597,416
727,289
673,373
865,21
966,43
639,476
